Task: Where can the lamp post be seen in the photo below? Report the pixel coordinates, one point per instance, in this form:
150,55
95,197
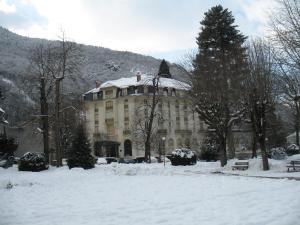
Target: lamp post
164,148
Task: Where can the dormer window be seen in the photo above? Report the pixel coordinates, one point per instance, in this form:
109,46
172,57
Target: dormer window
173,92
109,93
165,91
131,90
140,89
150,89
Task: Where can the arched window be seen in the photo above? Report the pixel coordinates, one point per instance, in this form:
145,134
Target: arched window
127,148
187,143
171,144
179,143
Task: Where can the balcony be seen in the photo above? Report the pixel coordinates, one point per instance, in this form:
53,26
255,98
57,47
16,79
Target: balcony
183,131
162,131
126,132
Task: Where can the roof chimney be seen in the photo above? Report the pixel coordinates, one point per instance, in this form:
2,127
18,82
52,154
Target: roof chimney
98,83
138,76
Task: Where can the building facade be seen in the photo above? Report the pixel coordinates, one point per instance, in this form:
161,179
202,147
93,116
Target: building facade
113,112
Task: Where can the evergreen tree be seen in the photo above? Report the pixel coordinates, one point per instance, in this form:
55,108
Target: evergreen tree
219,69
164,70
7,146
80,152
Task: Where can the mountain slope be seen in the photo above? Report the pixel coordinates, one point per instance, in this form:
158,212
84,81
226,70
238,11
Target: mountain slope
100,64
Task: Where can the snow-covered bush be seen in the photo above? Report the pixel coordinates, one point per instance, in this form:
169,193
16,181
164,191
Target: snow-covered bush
292,150
183,157
32,161
277,153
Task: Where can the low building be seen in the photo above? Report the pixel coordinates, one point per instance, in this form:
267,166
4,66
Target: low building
112,115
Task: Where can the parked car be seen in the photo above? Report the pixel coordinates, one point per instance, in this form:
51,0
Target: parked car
7,162
109,160
33,161
126,161
140,159
101,161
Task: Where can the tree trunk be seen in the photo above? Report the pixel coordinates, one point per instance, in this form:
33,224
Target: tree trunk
147,152
264,155
231,148
254,153
297,125
57,123
44,119
222,152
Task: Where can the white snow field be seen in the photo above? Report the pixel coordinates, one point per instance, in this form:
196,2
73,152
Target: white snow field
142,194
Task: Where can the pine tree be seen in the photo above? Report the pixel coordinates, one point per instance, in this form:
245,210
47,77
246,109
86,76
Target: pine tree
80,152
164,70
219,69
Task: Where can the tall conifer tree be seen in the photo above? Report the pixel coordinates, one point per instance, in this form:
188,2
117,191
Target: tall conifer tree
80,152
219,69
164,70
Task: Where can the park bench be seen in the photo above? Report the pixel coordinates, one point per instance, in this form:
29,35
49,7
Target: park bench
241,165
294,164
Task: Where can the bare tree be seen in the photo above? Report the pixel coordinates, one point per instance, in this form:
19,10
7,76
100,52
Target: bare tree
66,62
285,24
260,93
147,118
41,58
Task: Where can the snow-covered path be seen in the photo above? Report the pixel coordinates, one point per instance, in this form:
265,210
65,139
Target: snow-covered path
142,195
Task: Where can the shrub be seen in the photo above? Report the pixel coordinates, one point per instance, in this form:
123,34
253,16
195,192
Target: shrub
209,150
80,152
183,157
33,161
292,150
7,146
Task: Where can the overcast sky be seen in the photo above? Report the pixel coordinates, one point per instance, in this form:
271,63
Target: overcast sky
160,28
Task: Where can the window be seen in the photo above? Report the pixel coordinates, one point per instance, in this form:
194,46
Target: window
165,91
110,127
109,106
131,90
96,126
150,89
177,105
173,92
100,95
108,93
96,110
140,89
126,125
179,143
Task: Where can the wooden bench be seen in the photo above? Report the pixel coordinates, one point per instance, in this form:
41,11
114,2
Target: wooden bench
295,164
241,165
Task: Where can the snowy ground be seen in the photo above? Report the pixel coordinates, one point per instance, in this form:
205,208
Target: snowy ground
150,194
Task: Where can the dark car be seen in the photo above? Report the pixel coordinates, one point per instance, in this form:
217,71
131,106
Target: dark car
109,160
126,161
7,162
139,159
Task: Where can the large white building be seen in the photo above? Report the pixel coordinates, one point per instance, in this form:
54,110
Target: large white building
112,114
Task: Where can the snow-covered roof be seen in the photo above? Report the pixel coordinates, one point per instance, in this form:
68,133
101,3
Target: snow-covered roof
145,80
